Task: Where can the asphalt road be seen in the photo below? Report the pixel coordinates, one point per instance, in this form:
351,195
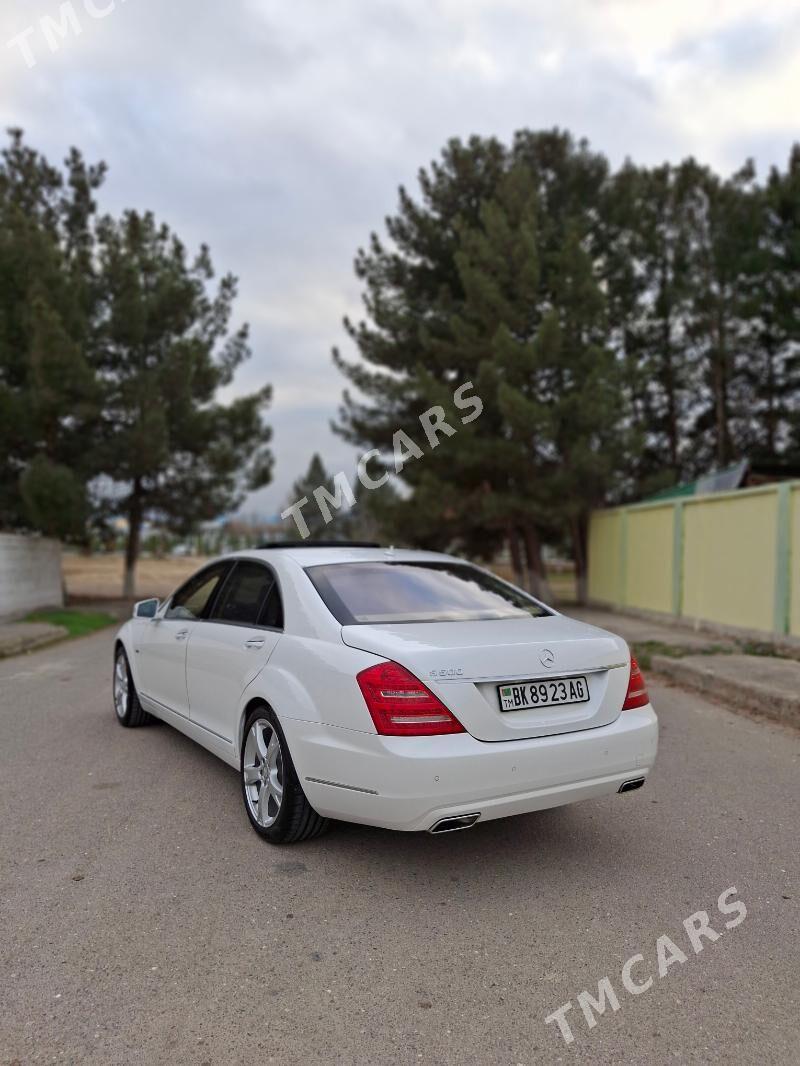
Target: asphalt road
141,920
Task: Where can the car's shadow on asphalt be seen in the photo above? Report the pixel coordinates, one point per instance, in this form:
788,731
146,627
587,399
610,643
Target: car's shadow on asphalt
555,836
594,838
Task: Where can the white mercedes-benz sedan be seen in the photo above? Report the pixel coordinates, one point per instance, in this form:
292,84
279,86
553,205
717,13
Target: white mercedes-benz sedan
404,689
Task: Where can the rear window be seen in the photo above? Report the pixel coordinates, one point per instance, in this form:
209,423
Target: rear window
370,593
244,597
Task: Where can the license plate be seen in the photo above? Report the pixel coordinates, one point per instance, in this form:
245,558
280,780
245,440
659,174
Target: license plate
532,694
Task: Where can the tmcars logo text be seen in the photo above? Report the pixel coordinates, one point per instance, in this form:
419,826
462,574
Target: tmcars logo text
54,30
698,929
404,448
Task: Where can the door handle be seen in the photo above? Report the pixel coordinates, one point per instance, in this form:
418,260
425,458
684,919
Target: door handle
182,634
255,643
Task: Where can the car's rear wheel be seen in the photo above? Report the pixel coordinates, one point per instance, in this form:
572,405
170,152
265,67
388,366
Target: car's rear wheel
273,796
130,712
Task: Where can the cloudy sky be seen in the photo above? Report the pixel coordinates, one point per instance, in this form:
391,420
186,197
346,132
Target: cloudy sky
278,132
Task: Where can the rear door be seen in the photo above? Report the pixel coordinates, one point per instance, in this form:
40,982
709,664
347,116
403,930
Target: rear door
227,650
160,643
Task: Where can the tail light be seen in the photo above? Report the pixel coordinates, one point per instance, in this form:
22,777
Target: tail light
401,706
636,696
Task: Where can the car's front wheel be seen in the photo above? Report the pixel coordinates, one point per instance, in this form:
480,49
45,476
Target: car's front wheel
273,796
130,712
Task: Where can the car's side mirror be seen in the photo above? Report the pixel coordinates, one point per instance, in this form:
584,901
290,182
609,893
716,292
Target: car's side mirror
145,608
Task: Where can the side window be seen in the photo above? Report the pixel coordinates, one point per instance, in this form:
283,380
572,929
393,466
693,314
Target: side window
190,601
272,611
245,595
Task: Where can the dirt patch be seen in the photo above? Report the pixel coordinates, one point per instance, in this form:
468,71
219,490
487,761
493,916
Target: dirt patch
100,576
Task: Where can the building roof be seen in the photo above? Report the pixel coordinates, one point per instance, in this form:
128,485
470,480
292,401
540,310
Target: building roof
731,477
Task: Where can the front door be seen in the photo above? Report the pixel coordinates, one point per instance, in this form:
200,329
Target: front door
225,652
160,643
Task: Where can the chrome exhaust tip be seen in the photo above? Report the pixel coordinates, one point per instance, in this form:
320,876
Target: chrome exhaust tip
629,786
454,822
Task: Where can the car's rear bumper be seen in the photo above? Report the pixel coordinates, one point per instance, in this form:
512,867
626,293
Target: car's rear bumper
411,783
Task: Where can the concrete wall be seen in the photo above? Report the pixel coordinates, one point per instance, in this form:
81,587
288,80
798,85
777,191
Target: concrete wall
648,570
604,555
732,559
729,560
30,574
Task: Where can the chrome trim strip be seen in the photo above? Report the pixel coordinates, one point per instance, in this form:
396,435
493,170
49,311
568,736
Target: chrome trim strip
494,680
183,717
163,706
338,784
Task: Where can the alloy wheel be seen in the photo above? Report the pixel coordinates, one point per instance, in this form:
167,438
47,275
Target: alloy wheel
262,769
121,686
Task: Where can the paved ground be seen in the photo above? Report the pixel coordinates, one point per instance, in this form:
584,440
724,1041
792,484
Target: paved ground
16,637
711,665
649,631
759,684
142,921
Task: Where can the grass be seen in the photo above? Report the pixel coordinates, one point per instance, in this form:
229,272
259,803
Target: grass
765,649
76,623
645,650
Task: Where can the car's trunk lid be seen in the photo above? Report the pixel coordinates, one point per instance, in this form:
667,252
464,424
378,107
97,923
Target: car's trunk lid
464,663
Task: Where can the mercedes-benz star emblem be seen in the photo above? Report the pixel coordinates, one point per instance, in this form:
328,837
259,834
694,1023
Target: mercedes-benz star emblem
546,657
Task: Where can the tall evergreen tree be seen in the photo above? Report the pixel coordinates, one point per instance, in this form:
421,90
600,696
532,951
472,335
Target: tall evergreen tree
585,437
315,477
723,217
162,349
373,517
49,398
411,287
497,463
646,272
504,266
772,368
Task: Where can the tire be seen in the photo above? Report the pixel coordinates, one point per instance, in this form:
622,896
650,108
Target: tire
129,711
273,797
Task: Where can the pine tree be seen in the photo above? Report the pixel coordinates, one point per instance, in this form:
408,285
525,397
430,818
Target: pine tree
645,268
315,477
49,398
499,266
411,287
578,394
723,217
162,350
772,369
373,517
517,248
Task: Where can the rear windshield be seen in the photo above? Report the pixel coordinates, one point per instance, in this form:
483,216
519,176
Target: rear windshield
370,593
